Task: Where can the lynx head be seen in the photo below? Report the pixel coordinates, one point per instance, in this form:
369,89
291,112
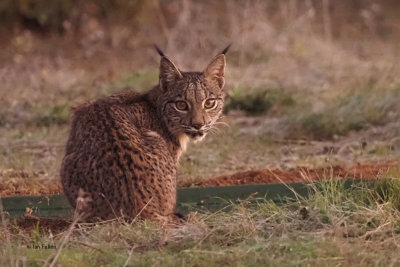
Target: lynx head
191,102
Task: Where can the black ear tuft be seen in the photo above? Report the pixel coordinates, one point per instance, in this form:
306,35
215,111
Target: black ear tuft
226,49
161,53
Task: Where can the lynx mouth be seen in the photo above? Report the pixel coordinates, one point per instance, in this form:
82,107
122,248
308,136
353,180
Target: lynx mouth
196,135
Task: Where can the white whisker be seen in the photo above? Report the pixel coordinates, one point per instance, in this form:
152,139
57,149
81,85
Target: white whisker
218,123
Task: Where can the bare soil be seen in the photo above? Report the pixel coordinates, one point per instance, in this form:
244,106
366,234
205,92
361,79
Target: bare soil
45,225
299,174
35,186
359,171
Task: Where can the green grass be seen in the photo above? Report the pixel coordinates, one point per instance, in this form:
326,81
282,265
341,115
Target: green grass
258,101
33,149
141,80
387,190
55,115
332,226
353,112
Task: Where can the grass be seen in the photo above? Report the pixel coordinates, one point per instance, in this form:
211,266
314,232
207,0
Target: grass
388,190
354,112
141,80
289,81
332,226
55,115
259,101
56,111
36,150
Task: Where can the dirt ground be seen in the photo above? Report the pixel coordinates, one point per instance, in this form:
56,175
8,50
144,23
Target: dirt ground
11,187
42,78
359,171
299,174
45,225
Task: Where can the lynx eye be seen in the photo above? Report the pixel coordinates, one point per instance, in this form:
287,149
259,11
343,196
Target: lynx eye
210,103
181,105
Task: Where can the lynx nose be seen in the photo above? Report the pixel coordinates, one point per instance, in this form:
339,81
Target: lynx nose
197,126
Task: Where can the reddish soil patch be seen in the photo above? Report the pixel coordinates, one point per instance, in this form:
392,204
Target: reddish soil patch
17,186
20,183
359,171
45,225
48,188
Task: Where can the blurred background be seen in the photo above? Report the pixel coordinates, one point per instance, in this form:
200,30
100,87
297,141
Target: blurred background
310,82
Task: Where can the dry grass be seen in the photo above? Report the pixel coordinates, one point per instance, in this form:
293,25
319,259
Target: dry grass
270,51
279,49
343,79
333,226
354,112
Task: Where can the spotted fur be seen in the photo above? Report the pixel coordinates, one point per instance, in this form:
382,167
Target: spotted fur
123,150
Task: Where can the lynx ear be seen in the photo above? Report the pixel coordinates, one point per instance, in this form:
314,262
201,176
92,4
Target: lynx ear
215,71
168,71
